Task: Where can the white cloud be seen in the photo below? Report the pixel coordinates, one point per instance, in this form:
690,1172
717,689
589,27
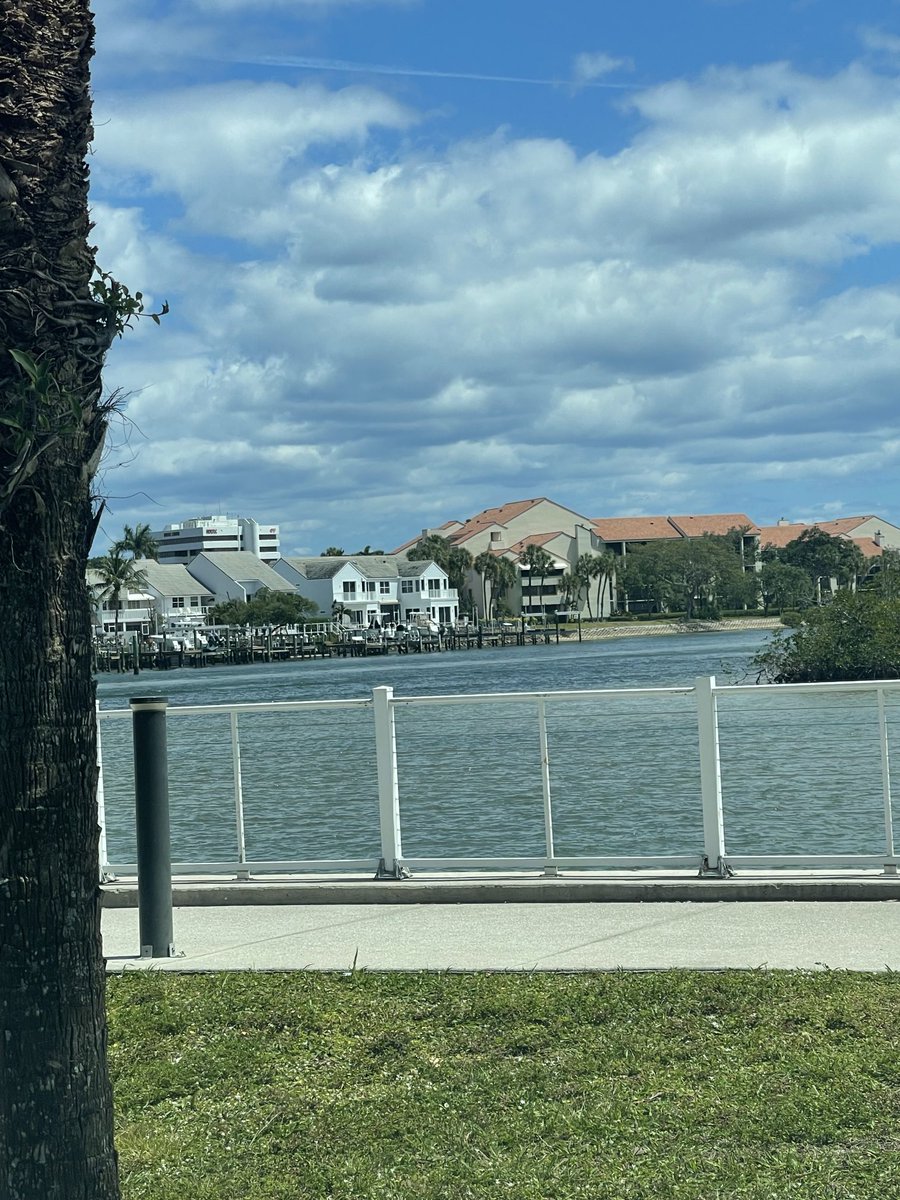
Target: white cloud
643,327
590,66
227,150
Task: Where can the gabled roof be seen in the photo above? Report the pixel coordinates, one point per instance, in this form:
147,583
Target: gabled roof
502,514
371,566
171,579
471,529
869,547
410,567
778,536
448,530
719,523
843,525
633,529
241,565
533,539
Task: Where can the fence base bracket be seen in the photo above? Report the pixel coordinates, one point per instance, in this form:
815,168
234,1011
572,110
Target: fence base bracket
720,871
397,871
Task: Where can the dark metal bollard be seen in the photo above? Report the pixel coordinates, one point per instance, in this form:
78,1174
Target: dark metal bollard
151,797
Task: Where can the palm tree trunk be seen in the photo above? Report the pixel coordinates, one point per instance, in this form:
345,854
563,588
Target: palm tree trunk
55,1098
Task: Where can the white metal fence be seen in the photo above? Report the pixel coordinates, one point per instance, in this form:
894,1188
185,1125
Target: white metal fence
503,769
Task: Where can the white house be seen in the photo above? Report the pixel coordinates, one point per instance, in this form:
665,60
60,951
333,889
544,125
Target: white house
237,575
178,598
369,588
171,598
132,612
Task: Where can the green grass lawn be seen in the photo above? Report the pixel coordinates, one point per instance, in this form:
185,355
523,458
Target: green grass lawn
673,1084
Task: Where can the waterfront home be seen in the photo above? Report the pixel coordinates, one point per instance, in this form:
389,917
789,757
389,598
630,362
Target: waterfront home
170,598
370,589
236,575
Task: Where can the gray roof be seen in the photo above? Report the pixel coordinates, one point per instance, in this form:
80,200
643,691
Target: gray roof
171,579
372,566
241,565
414,566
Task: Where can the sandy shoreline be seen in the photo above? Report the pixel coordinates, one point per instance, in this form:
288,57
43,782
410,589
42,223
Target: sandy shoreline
620,629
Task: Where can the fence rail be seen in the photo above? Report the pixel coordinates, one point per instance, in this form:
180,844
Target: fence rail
696,740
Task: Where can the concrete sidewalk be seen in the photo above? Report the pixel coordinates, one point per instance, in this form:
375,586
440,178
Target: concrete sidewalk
856,936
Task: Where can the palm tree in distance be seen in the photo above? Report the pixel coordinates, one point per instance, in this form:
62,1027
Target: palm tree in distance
333,552
570,590
584,572
605,570
507,577
539,563
455,560
117,574
138,542
486,564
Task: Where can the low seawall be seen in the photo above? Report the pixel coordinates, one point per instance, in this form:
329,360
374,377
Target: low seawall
622,629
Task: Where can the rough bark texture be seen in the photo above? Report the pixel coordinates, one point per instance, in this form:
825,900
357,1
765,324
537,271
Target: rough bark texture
55,1099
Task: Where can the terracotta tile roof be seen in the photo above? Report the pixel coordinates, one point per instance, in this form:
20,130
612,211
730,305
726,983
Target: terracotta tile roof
471,530
844,525
778,536
633,529
533,539
445,530
495,516
695,526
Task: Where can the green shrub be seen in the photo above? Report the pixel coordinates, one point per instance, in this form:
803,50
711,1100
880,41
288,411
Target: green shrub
792,619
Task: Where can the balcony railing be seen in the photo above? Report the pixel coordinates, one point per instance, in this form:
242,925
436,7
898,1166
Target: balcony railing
707,777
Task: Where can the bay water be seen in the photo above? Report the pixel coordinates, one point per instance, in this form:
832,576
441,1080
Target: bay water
800,775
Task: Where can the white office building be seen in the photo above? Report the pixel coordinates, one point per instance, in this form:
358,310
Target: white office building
182,542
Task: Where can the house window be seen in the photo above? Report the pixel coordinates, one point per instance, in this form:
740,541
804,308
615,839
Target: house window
349,587
418,585
178,601
434,586
406,585
368,585
384,587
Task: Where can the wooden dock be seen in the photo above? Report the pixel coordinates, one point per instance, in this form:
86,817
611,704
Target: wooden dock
135,656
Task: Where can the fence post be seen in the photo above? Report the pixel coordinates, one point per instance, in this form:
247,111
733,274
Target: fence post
106,873
713,862
151,797
242,874
550,868
391,864
890,866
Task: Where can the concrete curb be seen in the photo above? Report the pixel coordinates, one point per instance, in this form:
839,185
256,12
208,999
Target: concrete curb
541,891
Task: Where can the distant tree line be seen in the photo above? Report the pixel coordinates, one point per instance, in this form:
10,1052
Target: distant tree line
702,576
856,636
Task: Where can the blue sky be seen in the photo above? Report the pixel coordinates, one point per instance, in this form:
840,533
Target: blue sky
428,256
